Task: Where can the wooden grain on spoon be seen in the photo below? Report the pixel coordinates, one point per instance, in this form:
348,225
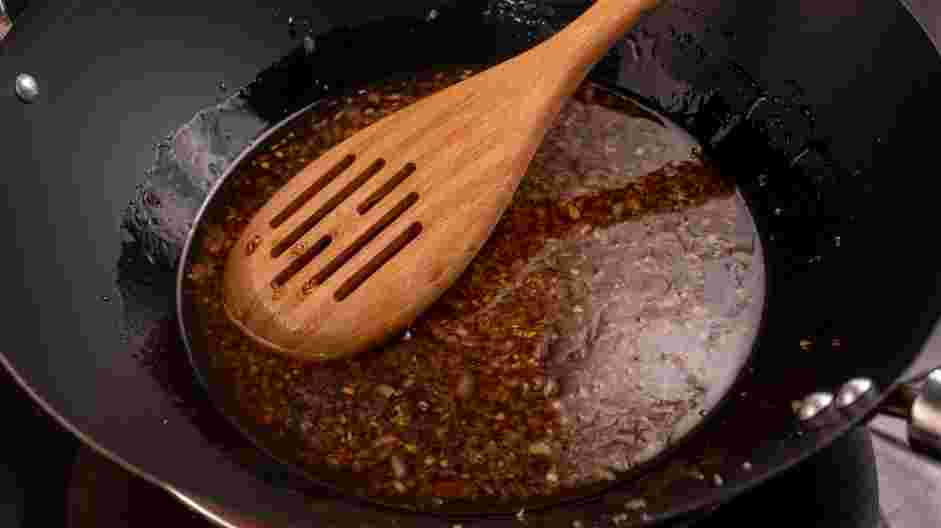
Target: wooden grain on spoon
357,245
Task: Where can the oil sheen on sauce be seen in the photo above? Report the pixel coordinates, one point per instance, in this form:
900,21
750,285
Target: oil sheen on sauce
608,313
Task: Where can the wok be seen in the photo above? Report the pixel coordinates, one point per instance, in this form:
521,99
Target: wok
809,105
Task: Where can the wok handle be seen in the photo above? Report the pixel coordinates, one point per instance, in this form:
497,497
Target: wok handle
919,403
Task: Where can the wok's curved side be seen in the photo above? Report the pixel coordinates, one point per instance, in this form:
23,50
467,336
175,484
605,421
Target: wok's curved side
866,69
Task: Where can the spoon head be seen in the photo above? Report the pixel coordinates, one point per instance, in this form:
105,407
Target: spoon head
366,237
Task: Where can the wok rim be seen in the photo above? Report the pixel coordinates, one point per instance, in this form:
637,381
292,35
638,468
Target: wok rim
193,504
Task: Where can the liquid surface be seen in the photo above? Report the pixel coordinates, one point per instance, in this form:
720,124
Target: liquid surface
609,311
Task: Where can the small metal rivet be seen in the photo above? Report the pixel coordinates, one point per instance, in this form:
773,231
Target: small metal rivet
310,45
851,391
27,89
814,404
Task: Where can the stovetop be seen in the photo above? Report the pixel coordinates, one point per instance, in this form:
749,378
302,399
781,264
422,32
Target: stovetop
867,479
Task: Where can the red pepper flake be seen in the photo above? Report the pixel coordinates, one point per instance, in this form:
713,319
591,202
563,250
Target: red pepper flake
536,423
449,488
388,440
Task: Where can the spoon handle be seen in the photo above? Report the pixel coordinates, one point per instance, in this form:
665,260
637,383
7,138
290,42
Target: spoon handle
575,49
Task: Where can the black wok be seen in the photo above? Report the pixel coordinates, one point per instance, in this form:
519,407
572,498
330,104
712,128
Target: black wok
834,144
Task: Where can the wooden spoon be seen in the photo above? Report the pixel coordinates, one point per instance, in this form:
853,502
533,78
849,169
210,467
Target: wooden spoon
365,238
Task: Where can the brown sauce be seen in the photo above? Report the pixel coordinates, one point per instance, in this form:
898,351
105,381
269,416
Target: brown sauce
490,393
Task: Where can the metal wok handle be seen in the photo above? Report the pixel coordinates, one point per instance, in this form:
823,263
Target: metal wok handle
919,403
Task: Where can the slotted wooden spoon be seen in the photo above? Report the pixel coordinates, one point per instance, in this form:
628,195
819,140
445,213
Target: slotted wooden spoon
369,235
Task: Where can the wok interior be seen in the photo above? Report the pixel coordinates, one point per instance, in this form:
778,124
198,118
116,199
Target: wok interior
847,270
673,291
791,191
